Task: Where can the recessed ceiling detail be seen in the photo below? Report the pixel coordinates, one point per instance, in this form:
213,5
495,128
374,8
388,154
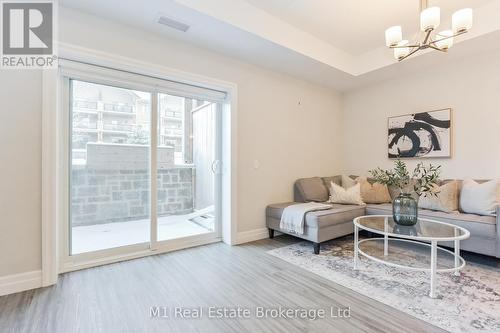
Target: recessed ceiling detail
346,35
334,43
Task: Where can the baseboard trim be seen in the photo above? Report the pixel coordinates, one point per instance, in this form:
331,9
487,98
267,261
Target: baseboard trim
251,235
15,283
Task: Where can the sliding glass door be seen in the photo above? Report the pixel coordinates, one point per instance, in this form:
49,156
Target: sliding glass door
186,167
143,168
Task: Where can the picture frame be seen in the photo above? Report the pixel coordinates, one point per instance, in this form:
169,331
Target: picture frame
421,135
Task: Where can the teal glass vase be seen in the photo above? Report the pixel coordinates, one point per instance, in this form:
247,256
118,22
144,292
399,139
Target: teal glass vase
405,209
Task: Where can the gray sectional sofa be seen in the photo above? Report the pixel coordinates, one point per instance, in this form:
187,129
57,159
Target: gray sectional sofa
324,225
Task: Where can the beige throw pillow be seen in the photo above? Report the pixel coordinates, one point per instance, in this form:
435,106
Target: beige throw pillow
350,196
478,198
373,193
445,200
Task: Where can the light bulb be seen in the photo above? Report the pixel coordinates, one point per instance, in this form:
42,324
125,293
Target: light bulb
430,18
461,20
393,35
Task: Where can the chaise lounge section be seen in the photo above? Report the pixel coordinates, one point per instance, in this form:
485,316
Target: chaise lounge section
324,225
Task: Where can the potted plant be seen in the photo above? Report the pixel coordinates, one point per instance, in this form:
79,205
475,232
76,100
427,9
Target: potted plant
420,182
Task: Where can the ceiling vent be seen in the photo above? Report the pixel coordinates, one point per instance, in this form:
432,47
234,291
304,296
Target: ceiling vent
174,24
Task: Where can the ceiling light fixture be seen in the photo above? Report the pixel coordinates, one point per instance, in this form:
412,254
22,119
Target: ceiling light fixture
430,18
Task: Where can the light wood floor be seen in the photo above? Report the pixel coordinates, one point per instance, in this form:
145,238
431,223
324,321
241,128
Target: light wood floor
118,297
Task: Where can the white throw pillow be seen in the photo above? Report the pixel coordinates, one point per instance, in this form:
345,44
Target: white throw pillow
350,196
478,198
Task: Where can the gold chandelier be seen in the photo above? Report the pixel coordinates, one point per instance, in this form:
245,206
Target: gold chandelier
430,18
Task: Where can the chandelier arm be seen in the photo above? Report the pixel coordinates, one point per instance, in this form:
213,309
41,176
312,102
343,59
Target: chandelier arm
444,38
409,54
436,48
402,46
427,36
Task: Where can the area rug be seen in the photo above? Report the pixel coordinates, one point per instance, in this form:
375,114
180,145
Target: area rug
466,303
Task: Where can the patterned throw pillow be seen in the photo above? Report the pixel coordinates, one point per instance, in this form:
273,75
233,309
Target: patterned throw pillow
373,193
445,200
350,196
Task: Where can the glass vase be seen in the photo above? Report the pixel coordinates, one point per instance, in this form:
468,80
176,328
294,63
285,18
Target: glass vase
405,209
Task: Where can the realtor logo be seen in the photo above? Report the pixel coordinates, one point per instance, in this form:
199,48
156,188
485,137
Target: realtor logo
28,34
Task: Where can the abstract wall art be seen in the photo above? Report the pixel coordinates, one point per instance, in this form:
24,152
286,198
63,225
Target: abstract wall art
419,135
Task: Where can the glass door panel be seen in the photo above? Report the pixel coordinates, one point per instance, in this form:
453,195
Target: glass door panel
109,167
186,167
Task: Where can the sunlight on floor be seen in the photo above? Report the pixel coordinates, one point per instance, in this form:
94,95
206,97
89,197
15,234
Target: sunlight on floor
110,235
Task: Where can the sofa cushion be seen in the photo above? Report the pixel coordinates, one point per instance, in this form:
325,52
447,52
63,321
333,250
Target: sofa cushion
336,215
335,179
312,189
348,182
276,210
478,225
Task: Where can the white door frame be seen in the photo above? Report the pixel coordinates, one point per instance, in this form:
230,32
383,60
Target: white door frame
54,172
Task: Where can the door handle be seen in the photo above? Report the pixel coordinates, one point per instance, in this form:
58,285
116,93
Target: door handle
216,167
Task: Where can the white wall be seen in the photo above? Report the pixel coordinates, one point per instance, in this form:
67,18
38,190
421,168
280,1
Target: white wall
20,171
288,140
470,86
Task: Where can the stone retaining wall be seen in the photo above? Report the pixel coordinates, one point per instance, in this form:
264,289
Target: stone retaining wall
104,192
104,196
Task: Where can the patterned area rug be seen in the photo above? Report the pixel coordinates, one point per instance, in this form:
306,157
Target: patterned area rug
466,303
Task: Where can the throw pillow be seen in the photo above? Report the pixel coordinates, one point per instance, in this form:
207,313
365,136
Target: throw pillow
445,200
312,189
395,191
350,196
478,198
373,193
347,182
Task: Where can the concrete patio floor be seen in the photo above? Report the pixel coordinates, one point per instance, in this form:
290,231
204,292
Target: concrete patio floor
109,235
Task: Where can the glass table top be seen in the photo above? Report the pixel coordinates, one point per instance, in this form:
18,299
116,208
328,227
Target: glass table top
425,229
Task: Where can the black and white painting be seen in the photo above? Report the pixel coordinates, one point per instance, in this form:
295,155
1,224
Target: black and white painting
425,134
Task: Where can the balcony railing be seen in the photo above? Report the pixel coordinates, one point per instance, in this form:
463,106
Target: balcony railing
119,127
118,108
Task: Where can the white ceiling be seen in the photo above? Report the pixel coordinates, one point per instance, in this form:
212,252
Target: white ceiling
337,43
356,26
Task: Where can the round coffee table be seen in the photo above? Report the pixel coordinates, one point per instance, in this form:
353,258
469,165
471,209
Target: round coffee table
421,234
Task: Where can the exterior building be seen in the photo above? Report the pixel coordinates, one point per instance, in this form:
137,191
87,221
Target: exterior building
104,114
